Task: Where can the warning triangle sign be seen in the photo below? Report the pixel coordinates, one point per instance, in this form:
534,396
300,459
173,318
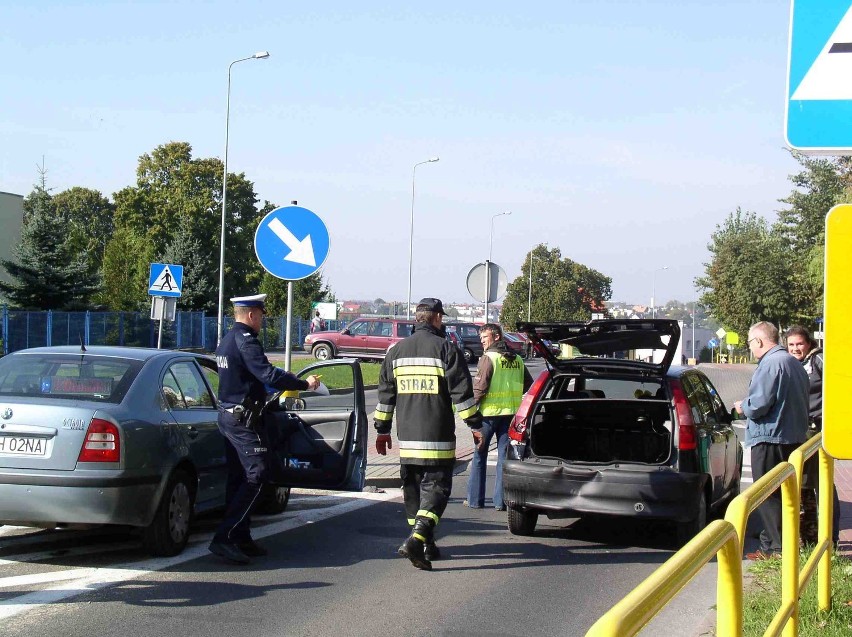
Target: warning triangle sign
828,77
165,282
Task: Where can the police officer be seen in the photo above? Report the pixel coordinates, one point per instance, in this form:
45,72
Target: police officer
244,371
500,382
421,379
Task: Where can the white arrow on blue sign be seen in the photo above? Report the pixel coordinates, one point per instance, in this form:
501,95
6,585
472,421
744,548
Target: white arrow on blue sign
291,243
712,343
819,91
166,279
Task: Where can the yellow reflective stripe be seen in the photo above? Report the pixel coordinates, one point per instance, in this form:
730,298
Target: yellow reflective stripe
412,370
384,407
427,444
411,521
465,404
419,537
427,454
423,513
382,416
467,413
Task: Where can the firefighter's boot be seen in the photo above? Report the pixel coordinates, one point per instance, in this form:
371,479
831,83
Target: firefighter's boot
415,544
431,550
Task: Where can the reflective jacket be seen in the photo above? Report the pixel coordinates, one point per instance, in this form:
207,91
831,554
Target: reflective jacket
505,385
423,376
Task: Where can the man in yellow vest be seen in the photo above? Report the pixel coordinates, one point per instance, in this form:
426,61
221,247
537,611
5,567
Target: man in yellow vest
501,379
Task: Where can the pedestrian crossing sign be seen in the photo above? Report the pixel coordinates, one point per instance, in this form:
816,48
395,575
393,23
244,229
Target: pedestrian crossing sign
166,279
818,117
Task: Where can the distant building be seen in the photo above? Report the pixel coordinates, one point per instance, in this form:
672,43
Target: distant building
12,221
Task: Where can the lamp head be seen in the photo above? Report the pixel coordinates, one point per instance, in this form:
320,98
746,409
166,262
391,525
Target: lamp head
261,55
431,159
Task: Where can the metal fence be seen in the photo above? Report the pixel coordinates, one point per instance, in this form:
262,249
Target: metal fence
190,330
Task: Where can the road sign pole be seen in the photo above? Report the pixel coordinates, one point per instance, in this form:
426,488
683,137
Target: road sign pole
487,287
162,313
288,329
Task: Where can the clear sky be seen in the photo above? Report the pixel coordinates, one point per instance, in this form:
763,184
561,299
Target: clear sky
620,131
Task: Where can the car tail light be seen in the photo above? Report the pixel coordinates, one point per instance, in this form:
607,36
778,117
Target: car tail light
518,428
687,436
102,443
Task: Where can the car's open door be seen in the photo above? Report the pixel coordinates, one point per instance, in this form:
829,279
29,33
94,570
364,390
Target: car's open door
318,439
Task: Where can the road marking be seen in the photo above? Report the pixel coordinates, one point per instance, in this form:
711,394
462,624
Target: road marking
91,579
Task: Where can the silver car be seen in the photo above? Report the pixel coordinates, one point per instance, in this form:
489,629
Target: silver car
112,435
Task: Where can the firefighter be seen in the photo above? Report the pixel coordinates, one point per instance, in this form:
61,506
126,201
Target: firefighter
422,378
244,372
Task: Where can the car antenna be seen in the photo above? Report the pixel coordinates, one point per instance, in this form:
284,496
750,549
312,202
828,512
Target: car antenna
82,344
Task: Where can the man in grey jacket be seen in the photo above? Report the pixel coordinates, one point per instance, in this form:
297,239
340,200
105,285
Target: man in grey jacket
777,412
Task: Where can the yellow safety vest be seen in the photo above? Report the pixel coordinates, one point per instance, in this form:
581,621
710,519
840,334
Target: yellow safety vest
506,387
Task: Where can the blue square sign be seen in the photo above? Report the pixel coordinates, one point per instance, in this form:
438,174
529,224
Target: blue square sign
166,279
819,79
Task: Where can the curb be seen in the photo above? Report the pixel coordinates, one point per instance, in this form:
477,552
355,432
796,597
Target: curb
395,482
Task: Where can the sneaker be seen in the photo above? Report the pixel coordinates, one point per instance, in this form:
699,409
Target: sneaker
502,508
472,506
760,555
229,552
252,549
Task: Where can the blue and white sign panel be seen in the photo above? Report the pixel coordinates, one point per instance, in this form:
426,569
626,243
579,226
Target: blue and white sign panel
166,279
819,78
713,343
291,243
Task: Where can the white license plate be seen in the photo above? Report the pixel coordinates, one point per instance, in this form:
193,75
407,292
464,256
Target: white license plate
22,446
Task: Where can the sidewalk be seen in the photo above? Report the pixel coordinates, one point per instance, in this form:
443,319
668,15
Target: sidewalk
843,482
383,471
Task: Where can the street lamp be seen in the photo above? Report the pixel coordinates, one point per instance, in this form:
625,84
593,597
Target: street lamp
529,298
260,55
411,233
488,263
654,291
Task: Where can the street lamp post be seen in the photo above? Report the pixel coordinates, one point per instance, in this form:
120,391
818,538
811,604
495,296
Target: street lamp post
654,291
260,55
529,298
488,263
411,233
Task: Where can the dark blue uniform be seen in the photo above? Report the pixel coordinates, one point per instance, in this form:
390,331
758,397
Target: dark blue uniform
244,371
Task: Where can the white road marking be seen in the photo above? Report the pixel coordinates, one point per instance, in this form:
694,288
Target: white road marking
86,580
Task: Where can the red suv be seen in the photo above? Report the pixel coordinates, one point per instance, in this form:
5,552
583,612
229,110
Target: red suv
367,338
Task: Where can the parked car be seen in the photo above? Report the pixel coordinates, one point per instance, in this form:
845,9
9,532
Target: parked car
469,334
605,433
112,435
515,344
364,338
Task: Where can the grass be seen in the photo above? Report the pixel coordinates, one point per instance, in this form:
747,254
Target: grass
763,597
338,377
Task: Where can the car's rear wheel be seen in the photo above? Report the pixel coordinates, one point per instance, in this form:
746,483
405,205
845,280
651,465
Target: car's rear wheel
689,529
273,500
469,358
522,521
168,532
323,352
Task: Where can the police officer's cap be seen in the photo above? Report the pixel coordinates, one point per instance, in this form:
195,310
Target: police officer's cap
255,300
430,304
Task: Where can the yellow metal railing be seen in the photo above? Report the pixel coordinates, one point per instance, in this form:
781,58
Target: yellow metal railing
725,538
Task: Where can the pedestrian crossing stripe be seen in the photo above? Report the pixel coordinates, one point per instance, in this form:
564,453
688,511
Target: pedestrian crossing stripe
824,78
166,279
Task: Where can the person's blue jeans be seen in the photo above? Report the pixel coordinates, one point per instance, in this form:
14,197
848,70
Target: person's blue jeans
491,426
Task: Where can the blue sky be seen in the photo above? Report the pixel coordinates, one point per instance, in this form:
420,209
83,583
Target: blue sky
620,131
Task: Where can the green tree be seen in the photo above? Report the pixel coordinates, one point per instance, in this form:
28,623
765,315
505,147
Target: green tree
173,189
125,280
90,221
199,286
47,273
748,278
560,289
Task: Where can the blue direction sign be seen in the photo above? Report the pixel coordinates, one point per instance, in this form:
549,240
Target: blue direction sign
291,243
713,343
166,279
819,93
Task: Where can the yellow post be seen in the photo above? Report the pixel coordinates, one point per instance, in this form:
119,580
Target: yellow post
790,496
826,522
729,589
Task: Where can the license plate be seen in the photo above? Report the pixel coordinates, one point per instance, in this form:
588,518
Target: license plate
21,446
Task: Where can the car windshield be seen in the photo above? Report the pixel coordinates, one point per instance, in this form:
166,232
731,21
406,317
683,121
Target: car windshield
79,376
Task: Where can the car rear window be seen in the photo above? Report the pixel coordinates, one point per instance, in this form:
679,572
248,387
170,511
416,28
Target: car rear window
601,387
99,378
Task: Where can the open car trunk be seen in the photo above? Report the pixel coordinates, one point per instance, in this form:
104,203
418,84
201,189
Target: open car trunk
592,430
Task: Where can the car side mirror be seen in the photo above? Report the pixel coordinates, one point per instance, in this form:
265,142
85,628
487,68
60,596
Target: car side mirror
346,331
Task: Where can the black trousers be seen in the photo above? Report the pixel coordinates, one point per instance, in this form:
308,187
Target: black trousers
245,453
426,490
764,457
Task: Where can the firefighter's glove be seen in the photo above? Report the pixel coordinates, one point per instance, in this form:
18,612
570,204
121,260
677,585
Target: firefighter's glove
475,421
383,443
